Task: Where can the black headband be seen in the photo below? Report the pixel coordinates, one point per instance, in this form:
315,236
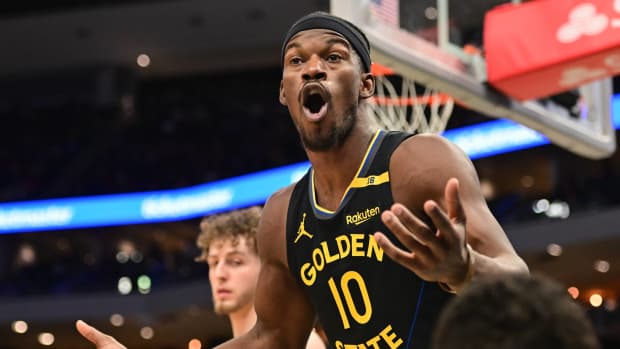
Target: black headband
323,20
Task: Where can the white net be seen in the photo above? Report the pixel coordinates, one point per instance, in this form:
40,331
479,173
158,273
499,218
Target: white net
411,107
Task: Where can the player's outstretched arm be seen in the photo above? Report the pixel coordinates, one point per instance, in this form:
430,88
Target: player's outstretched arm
441,218
284,313
98,338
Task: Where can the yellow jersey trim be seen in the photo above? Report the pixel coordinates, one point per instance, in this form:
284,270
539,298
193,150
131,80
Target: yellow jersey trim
356,182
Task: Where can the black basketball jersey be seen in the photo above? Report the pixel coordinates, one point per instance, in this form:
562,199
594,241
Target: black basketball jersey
363,298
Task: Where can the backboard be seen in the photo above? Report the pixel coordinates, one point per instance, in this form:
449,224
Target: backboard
438,43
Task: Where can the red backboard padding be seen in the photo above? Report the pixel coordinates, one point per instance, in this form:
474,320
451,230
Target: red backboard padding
544,47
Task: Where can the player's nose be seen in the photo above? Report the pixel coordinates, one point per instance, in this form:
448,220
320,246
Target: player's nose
314,69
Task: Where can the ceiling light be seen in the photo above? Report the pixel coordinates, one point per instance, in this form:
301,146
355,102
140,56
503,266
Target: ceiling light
554,250
540,206
124,285
117,320
143,60
19,326
573,291
194,344
126,246
144,284
147,332
527,181
122,257
596,300
558,209
601,266
610,304
26,255
137,257
430,13
46,338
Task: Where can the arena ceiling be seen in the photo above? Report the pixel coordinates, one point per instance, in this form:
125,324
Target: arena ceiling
179,36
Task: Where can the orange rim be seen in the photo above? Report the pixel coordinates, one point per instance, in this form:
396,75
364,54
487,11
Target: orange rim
440,98
378,69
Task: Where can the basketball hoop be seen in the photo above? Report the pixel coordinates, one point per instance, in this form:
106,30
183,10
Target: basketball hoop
462,73
412,108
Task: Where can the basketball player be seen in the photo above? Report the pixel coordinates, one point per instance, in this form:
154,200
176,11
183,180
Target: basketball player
379,214
514,312
228,244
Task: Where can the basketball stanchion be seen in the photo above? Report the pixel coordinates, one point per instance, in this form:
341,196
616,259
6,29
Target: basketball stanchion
427,54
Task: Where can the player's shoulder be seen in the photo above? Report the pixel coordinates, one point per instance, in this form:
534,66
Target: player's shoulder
427,149
272,229
427,142
279,200
425,162
275,212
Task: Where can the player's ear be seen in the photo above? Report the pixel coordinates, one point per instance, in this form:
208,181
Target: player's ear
367,89
282,96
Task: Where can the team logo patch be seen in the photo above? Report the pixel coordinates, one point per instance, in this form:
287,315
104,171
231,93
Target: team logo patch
302,230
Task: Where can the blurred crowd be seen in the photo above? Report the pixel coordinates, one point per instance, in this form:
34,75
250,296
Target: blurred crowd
166,134
94,260
170,133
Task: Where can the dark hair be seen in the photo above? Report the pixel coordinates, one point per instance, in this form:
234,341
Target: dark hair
324,20
514,312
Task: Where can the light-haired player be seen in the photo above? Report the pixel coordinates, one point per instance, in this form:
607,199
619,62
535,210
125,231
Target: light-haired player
228,243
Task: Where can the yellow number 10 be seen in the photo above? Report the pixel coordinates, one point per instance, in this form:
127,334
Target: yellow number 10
360,317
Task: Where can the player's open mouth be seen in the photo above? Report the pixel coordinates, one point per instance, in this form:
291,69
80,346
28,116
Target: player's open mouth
314,101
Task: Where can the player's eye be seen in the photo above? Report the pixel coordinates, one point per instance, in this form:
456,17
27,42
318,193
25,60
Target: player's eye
235,262
333,57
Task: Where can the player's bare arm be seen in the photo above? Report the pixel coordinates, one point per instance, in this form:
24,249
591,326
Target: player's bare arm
284,313
441,217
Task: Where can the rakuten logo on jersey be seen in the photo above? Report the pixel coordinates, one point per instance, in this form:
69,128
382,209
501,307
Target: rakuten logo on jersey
362,216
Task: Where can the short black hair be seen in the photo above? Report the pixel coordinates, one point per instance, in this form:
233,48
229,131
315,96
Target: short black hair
324,20
514,311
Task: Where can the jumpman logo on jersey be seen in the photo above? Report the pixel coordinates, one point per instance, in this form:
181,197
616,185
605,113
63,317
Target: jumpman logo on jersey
302,231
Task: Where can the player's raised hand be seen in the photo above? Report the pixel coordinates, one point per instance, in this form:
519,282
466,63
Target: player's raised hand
98,338
439,254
